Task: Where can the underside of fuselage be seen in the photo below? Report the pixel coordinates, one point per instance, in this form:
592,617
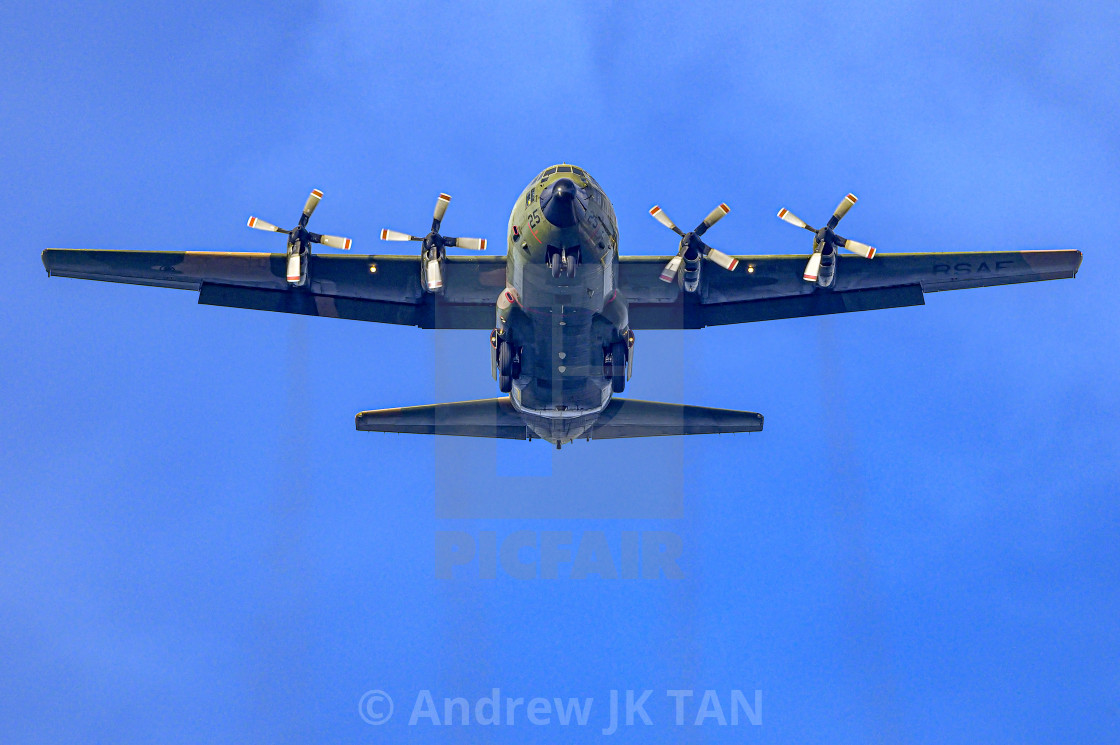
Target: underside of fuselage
566,321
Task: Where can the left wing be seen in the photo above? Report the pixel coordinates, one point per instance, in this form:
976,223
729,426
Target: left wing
385,289
764,288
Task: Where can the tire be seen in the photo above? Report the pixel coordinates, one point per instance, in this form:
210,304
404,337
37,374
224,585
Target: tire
505,367
618,367
570,265
556,264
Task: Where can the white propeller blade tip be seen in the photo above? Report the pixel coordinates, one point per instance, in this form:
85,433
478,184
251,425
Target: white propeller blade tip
669,273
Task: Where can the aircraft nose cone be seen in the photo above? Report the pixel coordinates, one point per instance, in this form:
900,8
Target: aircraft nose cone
559,202
565,188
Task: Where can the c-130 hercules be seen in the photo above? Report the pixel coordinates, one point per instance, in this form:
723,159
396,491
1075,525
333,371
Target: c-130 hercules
561,306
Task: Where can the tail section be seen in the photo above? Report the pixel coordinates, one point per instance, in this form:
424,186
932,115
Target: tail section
488,417
629,418
496,417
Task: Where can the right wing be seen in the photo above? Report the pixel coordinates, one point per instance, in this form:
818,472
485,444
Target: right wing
765,288
384,289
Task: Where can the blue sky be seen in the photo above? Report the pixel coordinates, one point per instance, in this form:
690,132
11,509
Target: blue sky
920,547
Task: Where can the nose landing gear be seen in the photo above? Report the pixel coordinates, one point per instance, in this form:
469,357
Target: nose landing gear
563,261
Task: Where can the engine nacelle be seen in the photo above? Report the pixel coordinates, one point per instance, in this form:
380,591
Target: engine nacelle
690,273
829,259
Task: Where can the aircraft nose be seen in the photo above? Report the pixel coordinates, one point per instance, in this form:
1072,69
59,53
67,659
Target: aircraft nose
559,203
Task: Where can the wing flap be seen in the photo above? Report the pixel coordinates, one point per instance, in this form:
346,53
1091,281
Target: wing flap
490,417
693,314
632,418
429,314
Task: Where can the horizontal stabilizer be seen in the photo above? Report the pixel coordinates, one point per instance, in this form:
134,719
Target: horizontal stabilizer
628,418
488,417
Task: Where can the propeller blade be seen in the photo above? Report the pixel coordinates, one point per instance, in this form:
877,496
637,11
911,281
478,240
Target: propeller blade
793,219
713,217
842,209
441,208
396,235
477,244
312,202
335,242
669,273
435,278
813,268
727,262
864,250
659,215
293,268
259,224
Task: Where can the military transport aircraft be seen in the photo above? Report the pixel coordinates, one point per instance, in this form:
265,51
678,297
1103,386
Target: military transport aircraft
562,305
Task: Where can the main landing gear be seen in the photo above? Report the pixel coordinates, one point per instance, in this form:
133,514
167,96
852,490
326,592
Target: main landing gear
614,365
509,366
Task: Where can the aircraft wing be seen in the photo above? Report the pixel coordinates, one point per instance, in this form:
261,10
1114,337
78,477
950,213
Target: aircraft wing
385,289
764,288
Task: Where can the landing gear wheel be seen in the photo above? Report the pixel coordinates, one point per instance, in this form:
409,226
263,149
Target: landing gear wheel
570,263
505,367
556,264
618,367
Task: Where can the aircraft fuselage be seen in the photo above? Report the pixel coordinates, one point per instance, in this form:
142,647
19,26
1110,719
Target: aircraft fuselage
562,313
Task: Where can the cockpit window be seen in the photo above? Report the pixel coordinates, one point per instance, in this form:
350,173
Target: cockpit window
579,171
563,169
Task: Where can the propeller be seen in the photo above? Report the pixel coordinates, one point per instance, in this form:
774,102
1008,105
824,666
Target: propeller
826,240
300,238
692,247
434,244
